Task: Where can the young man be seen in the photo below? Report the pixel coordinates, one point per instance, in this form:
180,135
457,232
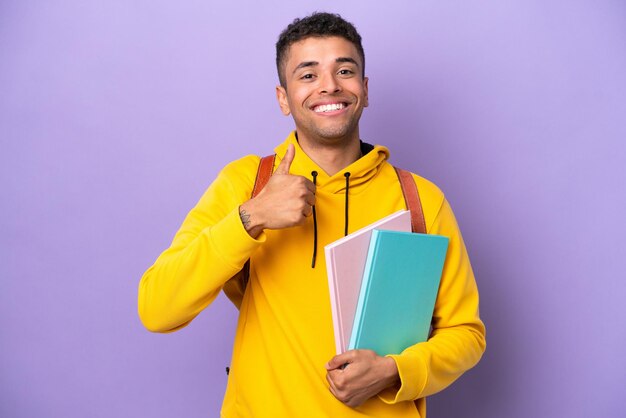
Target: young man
283,362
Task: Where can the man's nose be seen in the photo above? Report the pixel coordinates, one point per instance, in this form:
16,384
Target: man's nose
329,84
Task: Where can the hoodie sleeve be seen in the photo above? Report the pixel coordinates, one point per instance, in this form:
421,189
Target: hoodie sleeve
457,341
209,248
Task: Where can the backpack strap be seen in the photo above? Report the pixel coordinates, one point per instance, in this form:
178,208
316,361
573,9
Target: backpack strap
235,287
263,174
412,200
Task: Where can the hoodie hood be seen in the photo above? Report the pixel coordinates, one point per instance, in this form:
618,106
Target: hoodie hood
361,171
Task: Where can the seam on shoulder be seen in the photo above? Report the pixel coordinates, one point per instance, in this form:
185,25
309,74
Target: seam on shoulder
443,199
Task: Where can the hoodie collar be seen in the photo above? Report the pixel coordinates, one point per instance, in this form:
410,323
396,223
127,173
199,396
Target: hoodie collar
361,171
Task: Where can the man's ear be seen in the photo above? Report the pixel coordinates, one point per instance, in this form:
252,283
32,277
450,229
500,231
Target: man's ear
281,96
365,81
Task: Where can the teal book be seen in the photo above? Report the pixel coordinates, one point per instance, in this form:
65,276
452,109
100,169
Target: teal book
398,291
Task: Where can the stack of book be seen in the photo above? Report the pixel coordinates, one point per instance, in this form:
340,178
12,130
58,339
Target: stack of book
383,283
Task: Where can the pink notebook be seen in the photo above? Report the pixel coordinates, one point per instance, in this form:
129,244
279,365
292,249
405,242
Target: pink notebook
345,263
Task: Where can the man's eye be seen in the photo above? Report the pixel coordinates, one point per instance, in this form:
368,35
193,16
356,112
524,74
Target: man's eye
307,76
345,72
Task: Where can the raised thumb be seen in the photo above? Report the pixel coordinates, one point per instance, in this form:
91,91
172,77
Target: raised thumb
285,163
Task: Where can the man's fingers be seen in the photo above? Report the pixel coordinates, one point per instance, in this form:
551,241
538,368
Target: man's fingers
339,360
331,385
285,163
310,199
309,185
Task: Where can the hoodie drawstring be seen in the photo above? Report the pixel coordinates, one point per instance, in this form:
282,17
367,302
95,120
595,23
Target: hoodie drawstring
345,230
314,174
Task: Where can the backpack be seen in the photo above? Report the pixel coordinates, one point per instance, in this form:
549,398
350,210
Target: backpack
235,287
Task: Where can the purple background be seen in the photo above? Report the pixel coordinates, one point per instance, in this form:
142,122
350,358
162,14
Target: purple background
115,116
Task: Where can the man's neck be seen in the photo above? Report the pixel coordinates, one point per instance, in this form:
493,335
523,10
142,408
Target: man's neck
332,158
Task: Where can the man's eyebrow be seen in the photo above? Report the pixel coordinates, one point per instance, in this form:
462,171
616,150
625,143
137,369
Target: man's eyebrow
347,59
305,64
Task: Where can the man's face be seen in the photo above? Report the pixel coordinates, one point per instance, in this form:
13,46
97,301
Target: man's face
325,90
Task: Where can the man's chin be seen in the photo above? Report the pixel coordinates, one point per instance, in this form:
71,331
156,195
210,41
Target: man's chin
334,134
331,135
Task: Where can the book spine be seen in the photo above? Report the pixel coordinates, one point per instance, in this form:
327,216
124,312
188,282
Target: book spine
364,292
334,300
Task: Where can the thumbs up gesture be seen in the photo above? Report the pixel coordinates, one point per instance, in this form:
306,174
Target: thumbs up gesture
285,201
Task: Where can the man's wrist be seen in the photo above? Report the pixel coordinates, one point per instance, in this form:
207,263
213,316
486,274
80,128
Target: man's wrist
249,220
392,376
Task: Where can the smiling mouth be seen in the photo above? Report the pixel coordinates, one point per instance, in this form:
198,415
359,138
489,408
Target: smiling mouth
329,107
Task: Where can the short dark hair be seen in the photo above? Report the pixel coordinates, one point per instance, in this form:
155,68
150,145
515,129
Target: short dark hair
319,24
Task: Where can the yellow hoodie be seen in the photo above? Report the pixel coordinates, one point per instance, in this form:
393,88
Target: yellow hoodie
285,334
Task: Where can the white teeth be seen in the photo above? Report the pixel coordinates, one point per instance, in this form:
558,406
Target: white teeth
329,107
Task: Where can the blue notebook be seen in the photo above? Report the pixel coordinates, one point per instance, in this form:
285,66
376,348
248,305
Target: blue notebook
398,291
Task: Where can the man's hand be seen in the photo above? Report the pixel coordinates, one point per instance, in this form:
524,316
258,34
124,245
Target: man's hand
285,201
365,374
